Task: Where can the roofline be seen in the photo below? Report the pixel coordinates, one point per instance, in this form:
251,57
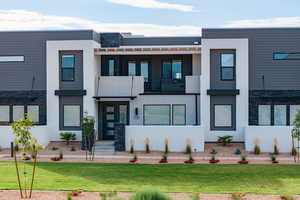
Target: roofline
51,30
252,28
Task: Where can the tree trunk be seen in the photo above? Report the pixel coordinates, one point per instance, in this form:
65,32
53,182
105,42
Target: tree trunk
33,175
18,174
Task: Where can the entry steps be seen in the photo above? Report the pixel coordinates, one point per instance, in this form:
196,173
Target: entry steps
104,148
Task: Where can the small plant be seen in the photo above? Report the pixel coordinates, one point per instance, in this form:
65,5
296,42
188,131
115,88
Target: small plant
213,159
237,152
61,155
76,193
109,196
213,152
164,159
68,137
166,142
287,197
225,140
243,160
131,146
195,196
69,196
150,195
273,158
190,160
54,148
134,159
276,148
238,196
294,151
73,148
147,145
189,148
256,146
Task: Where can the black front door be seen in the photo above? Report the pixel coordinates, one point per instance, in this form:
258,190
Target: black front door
113,112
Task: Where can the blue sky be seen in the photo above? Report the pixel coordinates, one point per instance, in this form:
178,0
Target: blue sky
148,17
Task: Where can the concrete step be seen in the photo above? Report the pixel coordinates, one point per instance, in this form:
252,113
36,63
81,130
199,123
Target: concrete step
104,142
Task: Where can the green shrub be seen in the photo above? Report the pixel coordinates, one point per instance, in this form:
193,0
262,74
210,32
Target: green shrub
69,196
256,149
213,152
276,149
294,151
225,139
150,195
131,149
61,155
287,197
238,196
237,152
188,149
67,136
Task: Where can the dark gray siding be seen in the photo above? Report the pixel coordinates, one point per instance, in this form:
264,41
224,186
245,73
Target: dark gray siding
31,44
215,71
278,75
222,100
78,82
148,41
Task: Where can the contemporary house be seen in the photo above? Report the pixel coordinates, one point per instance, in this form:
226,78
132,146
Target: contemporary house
239,82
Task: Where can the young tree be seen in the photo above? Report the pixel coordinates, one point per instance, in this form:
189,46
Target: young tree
88,125
26,145
296,134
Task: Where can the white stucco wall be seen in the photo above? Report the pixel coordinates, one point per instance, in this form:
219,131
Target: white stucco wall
192,84
39,132
242,71
266,136
90,71
177,136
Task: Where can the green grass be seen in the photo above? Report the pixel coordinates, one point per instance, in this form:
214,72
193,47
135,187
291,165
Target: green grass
259,179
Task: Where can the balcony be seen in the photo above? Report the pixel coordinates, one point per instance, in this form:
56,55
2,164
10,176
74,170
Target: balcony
119,86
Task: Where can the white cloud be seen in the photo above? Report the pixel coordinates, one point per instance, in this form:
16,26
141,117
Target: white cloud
270,22
28,20
153,4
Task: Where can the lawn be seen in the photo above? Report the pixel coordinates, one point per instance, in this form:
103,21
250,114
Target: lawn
203,178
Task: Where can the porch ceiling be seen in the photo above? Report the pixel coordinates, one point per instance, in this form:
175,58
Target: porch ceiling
149,50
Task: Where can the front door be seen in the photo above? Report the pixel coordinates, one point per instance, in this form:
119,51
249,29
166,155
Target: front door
113,112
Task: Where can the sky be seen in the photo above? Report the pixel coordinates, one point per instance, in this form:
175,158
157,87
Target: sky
147,17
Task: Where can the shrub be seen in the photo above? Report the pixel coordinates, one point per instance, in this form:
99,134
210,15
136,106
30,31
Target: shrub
237,152
225,139
256,149
67,136
109,196
238,196
273,158
166,145
287,197
164,158
213,152
195,196
150,195
147,145
188,149
131,146
69,196
54,148
276,149
61,155
294,151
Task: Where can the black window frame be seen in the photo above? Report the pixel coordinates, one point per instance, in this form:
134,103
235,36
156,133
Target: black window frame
171,61
228,67
214,117
170,113
184,114
63,117
67,68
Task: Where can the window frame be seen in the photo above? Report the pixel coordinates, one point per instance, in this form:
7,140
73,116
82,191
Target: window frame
63,116
214,116
148,62
135,67
67,68
9,115
286,115
184,105
170,113
12,111
271,124
228,67
26,112
171,61
274,58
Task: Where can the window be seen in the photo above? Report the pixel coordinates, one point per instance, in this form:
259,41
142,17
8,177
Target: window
145,70
227,66
131,68
12,59
223,115
279,115
18,113
4,114
286,56
172,70
68,67
264,115
33,111
71,116
178,113
294,109
157,115
111,67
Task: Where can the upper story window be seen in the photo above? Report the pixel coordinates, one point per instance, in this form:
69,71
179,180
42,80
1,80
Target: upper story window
145,70
68,67
172,70
131,68
227,66
111,67
12,58
286,56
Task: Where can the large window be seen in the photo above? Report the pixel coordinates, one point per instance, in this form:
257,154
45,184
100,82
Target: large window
4,114
223,115
18,113
279,115
131,68
33,112
68,67
111,67
11,58
227,66
157,115
286,56
178,114
71,116
264,115
145,70
172,70
294,109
